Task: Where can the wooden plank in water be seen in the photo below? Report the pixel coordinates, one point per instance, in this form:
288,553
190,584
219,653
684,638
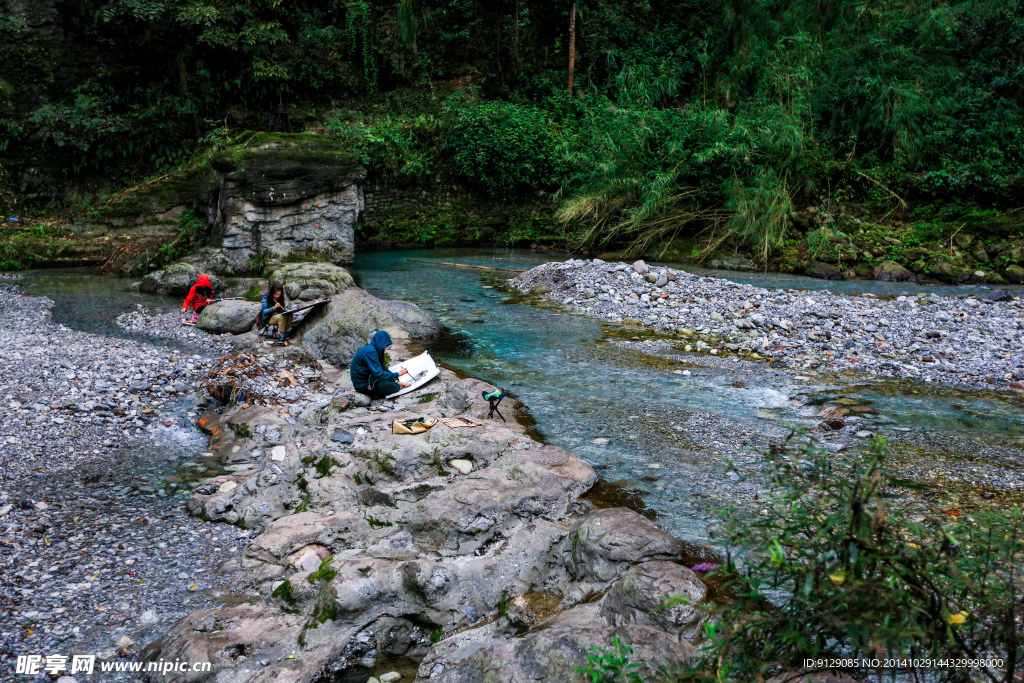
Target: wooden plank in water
466,265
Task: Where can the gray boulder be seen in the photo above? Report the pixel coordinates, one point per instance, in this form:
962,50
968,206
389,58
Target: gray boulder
890,271
641,267
605,542
174,280
236,317
640,597
1014,274
823,271
354,315
312,281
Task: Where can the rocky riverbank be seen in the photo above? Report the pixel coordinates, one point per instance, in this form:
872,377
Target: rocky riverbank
970,341
97,553
324,545
435,556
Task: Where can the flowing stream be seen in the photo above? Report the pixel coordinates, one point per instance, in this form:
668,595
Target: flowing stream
683,445
670,438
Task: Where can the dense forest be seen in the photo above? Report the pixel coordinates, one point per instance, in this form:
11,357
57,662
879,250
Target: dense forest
731,118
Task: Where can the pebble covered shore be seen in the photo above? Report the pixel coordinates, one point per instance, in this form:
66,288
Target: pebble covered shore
97,552
971,341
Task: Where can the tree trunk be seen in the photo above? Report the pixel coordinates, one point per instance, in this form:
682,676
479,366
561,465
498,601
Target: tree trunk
572,45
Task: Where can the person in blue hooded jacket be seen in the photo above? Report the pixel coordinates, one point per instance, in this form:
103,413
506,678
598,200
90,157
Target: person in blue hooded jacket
369,371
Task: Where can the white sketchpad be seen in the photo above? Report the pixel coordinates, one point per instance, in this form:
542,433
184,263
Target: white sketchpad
421,369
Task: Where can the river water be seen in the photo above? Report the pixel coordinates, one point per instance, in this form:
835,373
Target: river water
618,408
685,445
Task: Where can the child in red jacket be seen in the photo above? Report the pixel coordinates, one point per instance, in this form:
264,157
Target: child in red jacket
198,298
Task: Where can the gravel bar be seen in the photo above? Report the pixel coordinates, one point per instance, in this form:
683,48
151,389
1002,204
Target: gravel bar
97,552
964,342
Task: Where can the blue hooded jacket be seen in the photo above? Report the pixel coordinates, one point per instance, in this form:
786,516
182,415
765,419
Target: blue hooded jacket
368,364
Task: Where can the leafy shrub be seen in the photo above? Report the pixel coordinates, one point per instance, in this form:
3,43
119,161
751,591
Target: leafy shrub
503,148
403,145
853,578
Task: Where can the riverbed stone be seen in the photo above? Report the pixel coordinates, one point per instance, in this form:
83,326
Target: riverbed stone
463,466
890,271
230,316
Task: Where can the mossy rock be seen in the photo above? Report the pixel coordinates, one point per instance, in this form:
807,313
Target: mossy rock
949,272
310,281
274,169
823,271
890,271
916,253
166,198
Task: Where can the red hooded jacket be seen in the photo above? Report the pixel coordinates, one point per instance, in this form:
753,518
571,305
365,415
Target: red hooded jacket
198,299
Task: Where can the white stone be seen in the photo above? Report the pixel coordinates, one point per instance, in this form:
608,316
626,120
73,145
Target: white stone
277,453
309,562
390,677
463,466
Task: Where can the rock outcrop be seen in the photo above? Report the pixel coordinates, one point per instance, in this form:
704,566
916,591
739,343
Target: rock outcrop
268,199
373,547
281,197
354,315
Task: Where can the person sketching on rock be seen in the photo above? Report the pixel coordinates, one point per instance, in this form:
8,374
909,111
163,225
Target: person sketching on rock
369,371
199,297
272,311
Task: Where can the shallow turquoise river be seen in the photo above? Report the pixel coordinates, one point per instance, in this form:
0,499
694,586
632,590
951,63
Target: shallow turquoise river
675,441
618,411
